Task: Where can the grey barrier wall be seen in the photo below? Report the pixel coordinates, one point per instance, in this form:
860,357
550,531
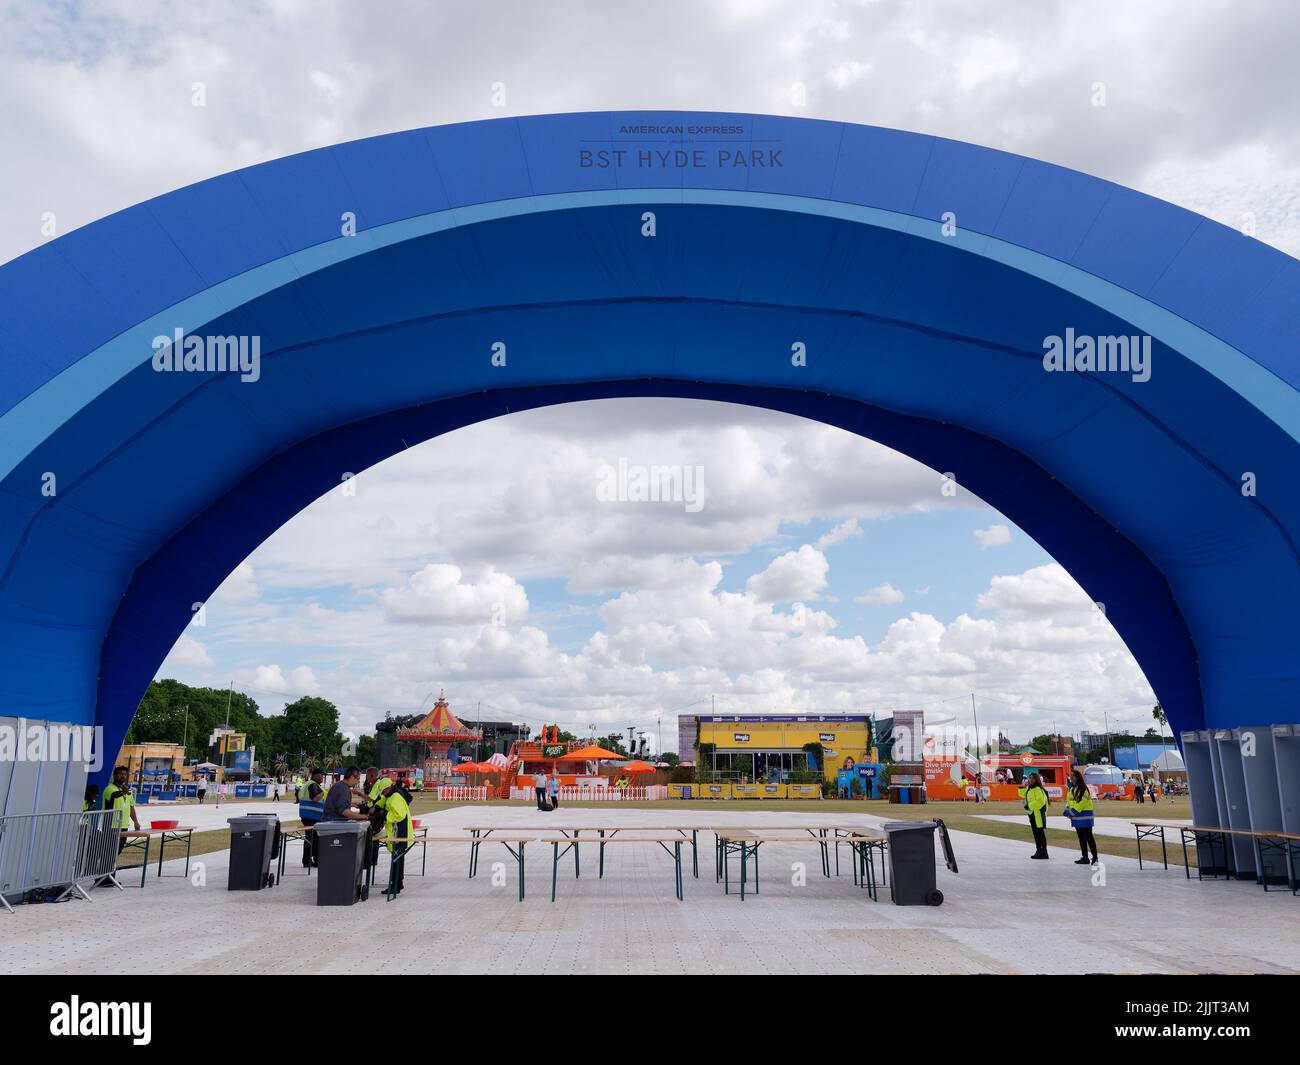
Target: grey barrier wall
1246,779
1286,750
1236,813
55,850
1263,795
47,785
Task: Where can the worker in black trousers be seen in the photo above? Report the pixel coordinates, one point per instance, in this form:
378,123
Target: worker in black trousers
1036,804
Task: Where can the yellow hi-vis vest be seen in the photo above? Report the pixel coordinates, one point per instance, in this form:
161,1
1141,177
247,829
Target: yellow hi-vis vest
377,789
1036,800
397,821
121,799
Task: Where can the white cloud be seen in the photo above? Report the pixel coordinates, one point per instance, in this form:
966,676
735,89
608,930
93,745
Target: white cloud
439,595
993,536
882,594
793,576
845,530
241,586
187,653
272,679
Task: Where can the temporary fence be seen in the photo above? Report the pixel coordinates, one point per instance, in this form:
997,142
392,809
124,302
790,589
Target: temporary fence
609,794
461,793
47,852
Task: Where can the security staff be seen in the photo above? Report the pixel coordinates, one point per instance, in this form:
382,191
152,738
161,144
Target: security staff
1036,804
117,796
376,798
397,825
311,809
1079,809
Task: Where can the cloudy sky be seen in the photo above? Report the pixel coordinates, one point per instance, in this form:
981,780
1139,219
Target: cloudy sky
825,572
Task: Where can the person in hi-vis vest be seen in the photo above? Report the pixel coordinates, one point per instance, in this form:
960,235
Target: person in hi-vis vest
397,826
376,798
1079,809
118,796
1036,804
311,808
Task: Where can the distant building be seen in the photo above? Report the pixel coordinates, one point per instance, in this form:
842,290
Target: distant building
688,730
152,763
1141,756
1090,741
768,746
1061,745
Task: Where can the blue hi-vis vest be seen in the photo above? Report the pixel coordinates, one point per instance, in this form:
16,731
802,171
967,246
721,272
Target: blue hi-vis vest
1080,811
309,810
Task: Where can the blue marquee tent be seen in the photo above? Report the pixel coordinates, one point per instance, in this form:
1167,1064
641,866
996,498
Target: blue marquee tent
897,285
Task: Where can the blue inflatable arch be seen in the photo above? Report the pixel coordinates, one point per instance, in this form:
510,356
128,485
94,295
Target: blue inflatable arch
897,285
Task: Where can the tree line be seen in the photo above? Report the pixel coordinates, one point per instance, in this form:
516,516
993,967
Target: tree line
304,733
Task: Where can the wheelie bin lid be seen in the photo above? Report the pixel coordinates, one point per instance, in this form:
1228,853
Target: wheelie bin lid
341,828
249,822
905,826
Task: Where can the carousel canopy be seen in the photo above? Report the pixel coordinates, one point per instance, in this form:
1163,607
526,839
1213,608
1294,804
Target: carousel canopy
439,721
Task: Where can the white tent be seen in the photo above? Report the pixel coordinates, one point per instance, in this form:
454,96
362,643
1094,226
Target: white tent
1168,762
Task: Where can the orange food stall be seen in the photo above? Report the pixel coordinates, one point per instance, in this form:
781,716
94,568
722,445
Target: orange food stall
1000,776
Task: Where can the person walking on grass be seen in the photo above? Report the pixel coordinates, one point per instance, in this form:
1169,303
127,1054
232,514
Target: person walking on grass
539,783
554,787
1079,809
1036,804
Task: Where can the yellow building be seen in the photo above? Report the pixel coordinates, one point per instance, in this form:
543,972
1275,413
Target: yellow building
152,762
756,745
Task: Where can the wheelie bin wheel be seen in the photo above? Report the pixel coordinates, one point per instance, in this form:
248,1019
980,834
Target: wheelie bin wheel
935,898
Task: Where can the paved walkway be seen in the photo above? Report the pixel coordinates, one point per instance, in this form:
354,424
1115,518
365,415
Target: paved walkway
1002,914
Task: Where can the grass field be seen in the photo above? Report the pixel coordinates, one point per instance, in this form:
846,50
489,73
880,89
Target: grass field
958,816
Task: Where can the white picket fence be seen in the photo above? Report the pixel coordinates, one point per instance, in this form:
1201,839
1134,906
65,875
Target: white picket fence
461,793
631,794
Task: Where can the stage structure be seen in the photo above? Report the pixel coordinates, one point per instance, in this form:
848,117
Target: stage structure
1116,375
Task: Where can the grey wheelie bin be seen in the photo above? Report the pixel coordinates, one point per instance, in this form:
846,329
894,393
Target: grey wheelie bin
911,861
341,855
252,841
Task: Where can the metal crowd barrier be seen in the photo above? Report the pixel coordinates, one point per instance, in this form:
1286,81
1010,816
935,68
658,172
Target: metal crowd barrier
52,851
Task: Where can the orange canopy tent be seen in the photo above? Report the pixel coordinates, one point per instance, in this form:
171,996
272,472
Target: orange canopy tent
475,767
637,767
590,753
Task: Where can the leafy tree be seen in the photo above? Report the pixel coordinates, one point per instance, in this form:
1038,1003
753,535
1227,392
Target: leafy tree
311,724
161,717
367,750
